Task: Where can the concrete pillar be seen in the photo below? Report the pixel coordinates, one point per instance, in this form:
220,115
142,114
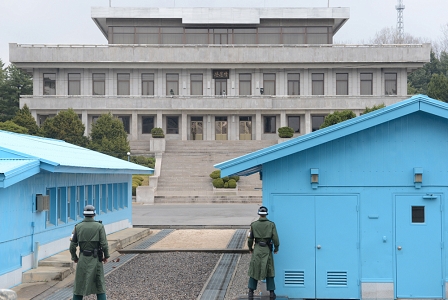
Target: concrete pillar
283,121
307,122
85,121
134,126
305,83
159,119
258,125
184,127
86,89
110,83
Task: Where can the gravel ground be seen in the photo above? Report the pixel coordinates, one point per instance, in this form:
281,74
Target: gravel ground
161,276
238,285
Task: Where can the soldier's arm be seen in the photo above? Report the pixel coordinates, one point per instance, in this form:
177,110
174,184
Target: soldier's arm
73,245
250,239
103,243
275,238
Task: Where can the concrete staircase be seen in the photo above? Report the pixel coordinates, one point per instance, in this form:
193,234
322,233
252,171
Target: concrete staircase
186,166
60,266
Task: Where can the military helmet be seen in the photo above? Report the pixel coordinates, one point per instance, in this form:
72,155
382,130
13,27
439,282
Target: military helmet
263,211
89,211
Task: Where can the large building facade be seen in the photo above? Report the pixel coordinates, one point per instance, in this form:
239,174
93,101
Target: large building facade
215,73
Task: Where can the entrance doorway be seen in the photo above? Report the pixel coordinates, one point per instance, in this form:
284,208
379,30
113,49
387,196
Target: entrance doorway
221,128
196,128
245,128
319,258
418,240
221,87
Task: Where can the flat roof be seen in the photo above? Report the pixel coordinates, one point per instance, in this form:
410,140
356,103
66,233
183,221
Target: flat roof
219,15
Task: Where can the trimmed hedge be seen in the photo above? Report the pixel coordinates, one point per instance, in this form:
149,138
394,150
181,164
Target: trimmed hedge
285,132
157,133
228,182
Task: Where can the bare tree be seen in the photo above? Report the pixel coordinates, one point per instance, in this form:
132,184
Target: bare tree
389,35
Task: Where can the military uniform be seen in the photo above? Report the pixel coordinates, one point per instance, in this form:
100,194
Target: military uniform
90,235
263,237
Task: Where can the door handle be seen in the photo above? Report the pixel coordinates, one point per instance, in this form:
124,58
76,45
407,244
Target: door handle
399,247
318,247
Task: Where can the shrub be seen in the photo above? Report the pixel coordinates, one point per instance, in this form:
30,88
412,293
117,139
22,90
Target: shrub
12,127
226,178
226,185
231,184
215,174
134,190
144,161
285,132
235,177
218,183
157,133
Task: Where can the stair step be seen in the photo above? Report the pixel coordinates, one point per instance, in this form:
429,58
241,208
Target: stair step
45,274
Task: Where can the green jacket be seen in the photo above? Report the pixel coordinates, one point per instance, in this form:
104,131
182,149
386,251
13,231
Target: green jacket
262,262
89,277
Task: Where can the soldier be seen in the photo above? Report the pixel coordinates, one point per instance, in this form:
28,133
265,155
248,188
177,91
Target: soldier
264,234
90,236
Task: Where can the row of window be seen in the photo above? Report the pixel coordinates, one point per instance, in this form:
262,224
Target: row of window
67,203
197,84
181,35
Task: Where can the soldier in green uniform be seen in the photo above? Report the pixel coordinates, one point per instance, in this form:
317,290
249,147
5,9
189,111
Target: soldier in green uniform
90,236
262,238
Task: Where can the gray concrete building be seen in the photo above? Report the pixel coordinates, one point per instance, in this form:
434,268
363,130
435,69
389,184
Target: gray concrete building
215,73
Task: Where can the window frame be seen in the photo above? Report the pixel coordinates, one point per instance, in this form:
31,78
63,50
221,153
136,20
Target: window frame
147,84
243,81
315,81
126,81
194,80
365,82
172,130
98,80
267,82
147,130
73,81
47,80
342,83
394,82
289,123
175,86
293,81
273,121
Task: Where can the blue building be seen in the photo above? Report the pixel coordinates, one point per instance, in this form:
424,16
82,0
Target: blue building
360,206
44,186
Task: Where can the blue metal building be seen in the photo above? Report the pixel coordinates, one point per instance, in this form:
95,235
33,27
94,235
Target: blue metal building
360,206
44,186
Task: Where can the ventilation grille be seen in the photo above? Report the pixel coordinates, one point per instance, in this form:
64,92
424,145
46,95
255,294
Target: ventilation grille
295,278
336,278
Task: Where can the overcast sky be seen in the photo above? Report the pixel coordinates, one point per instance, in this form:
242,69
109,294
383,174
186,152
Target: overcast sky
69,21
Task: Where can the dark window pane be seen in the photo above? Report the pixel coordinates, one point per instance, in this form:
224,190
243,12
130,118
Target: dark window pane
269,124
316,122
74,84
172,125
147,124
418,214
126,120
99,83
49,84
294,123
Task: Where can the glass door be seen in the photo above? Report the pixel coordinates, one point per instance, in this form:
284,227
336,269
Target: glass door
196,128
245,128
221,128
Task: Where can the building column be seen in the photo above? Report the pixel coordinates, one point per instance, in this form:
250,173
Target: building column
85,121
184,127
283,121
258,126
307,122
134,126
159,120
305,83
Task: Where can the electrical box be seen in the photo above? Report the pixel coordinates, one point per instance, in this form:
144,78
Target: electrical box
42,202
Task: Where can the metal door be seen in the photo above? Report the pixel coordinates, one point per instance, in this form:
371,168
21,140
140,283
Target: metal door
196,130
418,246
221,129
337,273
319,255
245,129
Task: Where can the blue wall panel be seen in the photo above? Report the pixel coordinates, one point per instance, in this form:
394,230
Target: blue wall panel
18,213
376,163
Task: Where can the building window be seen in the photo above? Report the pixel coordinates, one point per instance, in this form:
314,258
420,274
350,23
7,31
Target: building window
196,36
317,35
148,84
293,84
74,84
390,83
317,83
122,35
245,36
172,125
147,35
366,84
220,87
221,36
126,120
269,83
147,124
269,35
245,84
294,123
78,213
269,124
49,84
172,84
293,35
316,122
99,84
172,35
196,87
123,84
341,84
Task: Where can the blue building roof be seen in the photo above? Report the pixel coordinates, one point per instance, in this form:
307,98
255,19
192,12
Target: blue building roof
253,162
26,154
